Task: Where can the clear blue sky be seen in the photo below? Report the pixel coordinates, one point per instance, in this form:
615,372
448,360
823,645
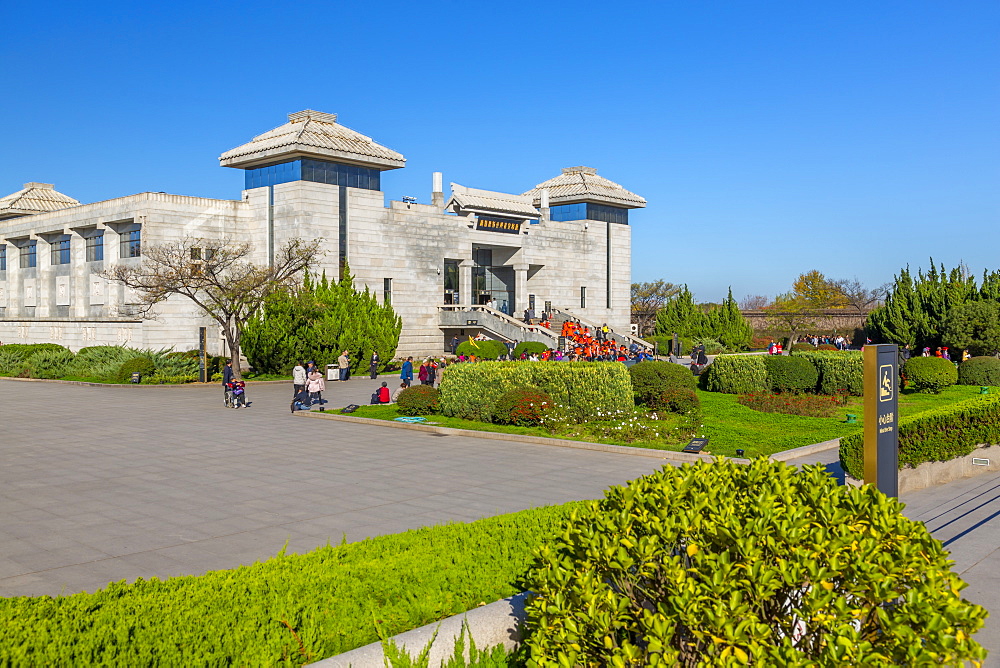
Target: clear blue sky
769,138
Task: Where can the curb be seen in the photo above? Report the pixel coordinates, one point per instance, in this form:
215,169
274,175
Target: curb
669,455
805,450
498,623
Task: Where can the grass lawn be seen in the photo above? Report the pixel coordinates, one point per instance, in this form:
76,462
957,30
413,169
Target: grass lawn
726,423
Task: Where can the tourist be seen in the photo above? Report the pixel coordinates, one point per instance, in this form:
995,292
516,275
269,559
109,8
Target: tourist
227,378
383,393
298,378
395,395
406,373
344,365
373,365
315,385
422,373
454,345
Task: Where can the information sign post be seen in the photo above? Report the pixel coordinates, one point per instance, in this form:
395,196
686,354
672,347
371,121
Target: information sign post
882,418
202,355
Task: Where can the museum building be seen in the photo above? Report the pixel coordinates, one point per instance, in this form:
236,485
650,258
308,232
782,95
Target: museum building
466,265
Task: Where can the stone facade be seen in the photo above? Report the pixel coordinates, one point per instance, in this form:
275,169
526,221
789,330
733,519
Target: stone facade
404,247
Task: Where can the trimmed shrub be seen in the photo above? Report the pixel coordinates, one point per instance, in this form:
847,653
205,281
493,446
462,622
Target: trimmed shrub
651,378
715,565
936,435
680,400
807,405
979,371
712,346
838,371
826,347
791,374
529,347
158,379
487,350
736,374
142,365
803,347
582,388
930,374
50,363
327,600
523,407
419,400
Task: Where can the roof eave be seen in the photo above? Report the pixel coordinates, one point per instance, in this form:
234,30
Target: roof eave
594,199
257,158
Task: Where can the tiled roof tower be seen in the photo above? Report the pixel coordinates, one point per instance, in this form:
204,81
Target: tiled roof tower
582,184
34,198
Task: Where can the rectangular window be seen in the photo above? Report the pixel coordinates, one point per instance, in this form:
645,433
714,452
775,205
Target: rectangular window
60,250
386,290
95,248
29,255
583,297
3,257
131,243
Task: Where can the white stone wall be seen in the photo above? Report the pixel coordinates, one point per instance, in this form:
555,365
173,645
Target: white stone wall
406,243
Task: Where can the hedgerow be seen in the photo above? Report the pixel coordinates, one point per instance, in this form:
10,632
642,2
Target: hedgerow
289,610
791,374
736,374
936,435
979,371
489,350
583,388
716,565
838,371
419,400
651,378
529,347
930,374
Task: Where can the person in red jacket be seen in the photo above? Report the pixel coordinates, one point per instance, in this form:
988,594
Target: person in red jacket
383,393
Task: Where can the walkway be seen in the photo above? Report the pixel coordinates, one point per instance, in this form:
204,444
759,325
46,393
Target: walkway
104,483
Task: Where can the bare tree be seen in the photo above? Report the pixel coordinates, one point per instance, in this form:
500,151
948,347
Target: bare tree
647,300
217,275
754,302
859,297
792,313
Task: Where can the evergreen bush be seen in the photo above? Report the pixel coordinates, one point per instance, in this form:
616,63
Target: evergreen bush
839,372
14,357
803,347
716,565
930,374
581,388
50,363
979,371
318,320
141,365
826,347
487,350
651,378
936,435
527,348
712,346
791,374
736,374
680,400
522,407
419,400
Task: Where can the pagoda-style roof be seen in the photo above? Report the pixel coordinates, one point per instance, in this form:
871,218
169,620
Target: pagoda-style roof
582,184
489,202
34,198
312,134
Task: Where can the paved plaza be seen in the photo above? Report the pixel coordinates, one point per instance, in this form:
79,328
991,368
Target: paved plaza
107,483
104,483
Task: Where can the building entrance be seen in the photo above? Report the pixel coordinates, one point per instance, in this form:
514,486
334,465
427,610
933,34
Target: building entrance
492,283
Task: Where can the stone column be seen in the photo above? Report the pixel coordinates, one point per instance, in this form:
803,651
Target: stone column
79,272
14,278
520,289
45,288
465,282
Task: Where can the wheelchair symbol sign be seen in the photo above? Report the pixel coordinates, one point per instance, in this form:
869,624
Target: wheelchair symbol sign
886,380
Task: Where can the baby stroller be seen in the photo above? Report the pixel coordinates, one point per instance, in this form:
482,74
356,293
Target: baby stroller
236,394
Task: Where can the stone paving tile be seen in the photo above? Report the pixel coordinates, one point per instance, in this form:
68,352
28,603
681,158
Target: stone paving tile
179,484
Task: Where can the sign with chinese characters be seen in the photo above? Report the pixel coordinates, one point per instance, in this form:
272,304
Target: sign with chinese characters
882,418
496,224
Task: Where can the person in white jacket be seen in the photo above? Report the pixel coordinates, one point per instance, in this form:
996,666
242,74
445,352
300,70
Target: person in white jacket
298,378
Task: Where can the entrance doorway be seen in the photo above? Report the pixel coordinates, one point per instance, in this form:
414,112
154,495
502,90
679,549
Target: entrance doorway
492,283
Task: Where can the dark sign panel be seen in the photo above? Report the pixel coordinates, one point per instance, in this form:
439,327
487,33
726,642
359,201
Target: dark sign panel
495,224
882,418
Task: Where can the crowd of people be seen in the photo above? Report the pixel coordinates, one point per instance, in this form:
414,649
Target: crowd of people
839,341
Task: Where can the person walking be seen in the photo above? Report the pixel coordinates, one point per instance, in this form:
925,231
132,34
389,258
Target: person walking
373,365
227,378
406,373
344,365
298,378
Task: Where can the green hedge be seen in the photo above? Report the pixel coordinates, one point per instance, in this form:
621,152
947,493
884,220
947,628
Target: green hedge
936,435
736,374
529,347
489,350
930,374
471,390
652,378
979,371
331,597
419,400
791,374
838,371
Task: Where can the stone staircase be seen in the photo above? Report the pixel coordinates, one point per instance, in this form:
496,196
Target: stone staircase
559,316
495,324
